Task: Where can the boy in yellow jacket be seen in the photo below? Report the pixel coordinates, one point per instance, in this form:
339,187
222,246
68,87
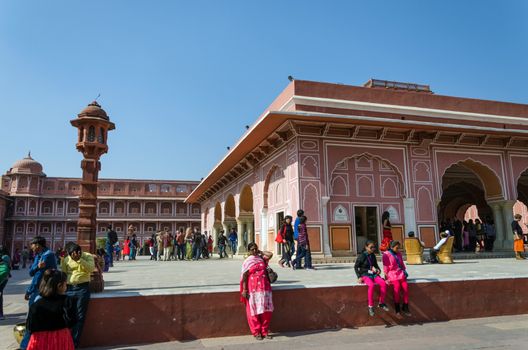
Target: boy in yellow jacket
78,266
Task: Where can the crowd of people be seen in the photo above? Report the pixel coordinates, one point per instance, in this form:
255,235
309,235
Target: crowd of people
472,235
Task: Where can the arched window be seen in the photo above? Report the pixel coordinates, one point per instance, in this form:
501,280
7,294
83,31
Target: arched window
47,207
101,137
91,134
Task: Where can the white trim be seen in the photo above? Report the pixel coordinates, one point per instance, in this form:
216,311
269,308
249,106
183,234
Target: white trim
418,111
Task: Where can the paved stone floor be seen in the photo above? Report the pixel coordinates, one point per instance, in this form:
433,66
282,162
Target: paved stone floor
507,332
145,277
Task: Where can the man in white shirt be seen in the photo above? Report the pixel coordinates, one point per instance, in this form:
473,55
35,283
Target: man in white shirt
434,252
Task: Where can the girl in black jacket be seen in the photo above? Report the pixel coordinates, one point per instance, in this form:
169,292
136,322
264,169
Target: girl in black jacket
368,272
50,316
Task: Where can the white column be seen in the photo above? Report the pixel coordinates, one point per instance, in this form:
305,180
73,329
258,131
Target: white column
242,246
507,218
250,231
264,229
409,216
326,235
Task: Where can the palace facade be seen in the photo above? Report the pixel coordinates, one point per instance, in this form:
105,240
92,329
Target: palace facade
35,204
346,154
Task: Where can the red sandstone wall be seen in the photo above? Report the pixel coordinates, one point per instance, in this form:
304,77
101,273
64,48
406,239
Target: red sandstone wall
139,319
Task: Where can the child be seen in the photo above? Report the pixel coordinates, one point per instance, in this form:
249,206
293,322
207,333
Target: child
50,316
368,272
396,274
303,247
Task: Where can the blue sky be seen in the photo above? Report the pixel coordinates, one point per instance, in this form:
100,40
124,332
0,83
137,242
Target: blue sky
181,79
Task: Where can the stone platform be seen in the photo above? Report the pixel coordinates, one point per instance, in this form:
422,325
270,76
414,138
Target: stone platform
149,301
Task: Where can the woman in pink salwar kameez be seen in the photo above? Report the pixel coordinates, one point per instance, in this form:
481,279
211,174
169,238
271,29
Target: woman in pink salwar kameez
255,290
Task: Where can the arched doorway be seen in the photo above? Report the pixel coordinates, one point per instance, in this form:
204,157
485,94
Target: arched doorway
246,218
468,188
274,206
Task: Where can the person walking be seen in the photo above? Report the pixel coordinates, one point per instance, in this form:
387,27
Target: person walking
303,247
472,232
166,245
256,292
222,242
43,259
133,247
159,245
481,235
78,266
233,241
5,274
151,248
51,316
491,235
210,245
368,272
180,240
111,239
465,236
396,275
286,238
197,245
126,248
25,257
518,242
188,244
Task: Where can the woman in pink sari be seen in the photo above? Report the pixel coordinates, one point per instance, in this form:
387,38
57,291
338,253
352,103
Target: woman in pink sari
255,290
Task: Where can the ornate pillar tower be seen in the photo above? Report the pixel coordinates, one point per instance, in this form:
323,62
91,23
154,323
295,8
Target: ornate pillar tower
93,125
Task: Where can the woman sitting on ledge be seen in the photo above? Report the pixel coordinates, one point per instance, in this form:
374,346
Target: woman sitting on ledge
396,274
255,290
368,272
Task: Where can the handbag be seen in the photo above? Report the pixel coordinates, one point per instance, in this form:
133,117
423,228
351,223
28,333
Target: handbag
272,275
280,237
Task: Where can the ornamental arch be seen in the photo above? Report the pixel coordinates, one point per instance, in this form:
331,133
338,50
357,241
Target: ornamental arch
466,183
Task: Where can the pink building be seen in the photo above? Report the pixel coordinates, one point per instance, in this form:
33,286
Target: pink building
345,154
48,206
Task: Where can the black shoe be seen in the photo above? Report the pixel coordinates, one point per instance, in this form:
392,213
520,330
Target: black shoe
397,308
383,306
258,337
405,309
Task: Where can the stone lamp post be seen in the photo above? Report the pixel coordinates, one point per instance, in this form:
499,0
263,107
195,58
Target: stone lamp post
93,125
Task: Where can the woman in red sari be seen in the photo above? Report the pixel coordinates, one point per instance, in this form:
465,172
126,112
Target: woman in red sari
255,290
387,233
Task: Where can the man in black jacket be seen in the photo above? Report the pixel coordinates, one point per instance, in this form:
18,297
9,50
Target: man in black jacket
111,239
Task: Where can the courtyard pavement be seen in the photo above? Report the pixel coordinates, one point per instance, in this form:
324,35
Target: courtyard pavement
145,277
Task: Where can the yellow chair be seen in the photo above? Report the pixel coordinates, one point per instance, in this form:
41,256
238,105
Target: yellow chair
414,251
445,255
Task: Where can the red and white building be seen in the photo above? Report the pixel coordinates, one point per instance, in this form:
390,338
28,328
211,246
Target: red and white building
345,154
36,204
